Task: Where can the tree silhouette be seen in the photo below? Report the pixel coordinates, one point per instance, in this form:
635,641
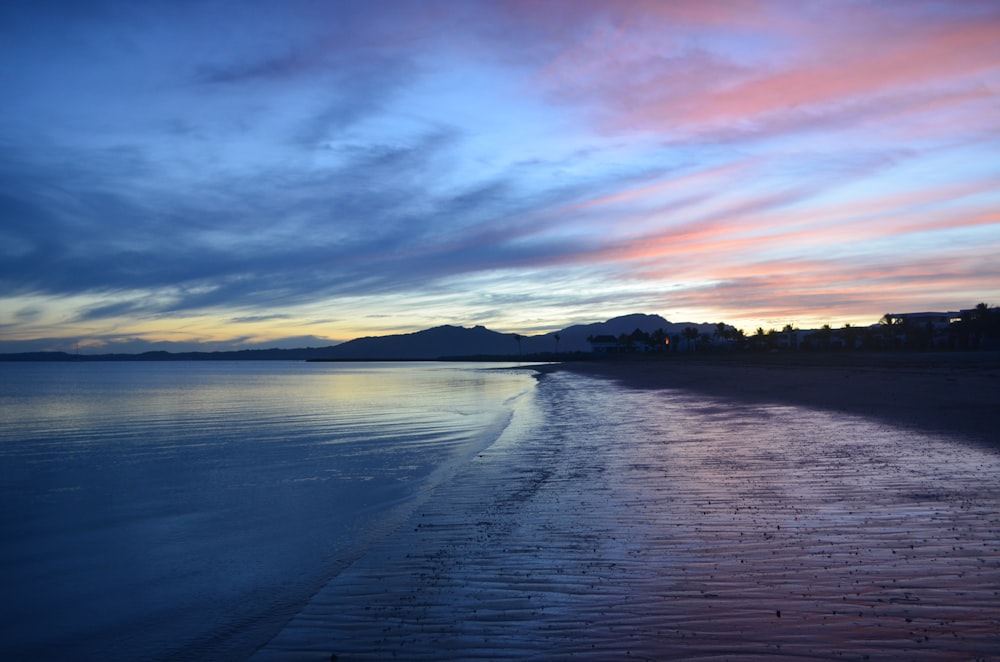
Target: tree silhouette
759,339
889,319
659,340
771,339
789,332
639,338
557,339
850,335
824,335
983,324
740,336
691,335
889,324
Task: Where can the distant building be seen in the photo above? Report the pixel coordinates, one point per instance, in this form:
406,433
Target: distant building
932,326
936,320
604,344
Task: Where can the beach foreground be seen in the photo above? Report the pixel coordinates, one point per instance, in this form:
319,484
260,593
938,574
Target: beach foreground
950,393
629,522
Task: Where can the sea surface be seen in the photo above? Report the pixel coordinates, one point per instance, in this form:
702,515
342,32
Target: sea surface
163,510
282,511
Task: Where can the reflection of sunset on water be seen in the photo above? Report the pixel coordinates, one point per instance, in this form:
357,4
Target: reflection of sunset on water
617,523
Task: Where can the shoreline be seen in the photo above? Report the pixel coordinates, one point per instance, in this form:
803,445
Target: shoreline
957,394
616,524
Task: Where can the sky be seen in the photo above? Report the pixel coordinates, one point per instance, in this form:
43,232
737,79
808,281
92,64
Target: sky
222,175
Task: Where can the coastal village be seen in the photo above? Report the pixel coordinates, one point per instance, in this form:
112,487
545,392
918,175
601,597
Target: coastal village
968,329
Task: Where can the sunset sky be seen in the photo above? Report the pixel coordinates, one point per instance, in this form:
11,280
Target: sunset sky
236,174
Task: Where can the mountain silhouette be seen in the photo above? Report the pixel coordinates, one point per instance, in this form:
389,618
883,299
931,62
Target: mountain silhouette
441,342
456,341
574,338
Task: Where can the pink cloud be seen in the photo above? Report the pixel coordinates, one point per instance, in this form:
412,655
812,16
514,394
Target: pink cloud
722,265
658,71
831,291
711,243
964,52
698,180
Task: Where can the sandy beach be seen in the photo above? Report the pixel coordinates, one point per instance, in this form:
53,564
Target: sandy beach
957,393
818,515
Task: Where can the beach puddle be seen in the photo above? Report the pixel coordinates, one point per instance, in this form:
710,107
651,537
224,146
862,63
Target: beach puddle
611,523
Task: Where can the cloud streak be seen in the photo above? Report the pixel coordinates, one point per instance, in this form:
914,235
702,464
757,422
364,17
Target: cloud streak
207,172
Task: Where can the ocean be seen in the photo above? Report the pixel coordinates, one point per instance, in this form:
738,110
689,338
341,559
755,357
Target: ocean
466,511
155,510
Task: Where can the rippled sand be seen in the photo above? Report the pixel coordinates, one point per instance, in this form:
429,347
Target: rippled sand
617,523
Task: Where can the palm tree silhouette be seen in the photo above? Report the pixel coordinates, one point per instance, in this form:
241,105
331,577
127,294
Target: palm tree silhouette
850,336
890,324
789,332
691,334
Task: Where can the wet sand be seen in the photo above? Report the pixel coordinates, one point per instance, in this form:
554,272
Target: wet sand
780,531
951,393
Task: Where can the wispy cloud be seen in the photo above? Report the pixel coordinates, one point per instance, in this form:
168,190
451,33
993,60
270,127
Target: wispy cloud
835,68
514,164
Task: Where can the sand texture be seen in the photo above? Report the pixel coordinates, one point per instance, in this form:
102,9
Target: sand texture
618,523
952,393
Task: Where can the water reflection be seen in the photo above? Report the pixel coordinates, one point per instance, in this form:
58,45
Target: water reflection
636,524
160,509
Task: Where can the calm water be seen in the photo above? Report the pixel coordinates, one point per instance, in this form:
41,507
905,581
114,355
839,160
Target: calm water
156,510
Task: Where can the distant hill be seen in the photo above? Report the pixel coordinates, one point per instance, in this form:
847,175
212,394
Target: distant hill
300,354
574,338
439,342
436,343
451,341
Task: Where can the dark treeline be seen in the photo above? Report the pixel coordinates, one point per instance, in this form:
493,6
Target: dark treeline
974,329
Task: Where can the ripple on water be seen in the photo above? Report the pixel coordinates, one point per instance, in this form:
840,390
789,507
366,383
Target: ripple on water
611,523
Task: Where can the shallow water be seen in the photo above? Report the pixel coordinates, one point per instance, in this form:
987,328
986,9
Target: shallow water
164,510
610,523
